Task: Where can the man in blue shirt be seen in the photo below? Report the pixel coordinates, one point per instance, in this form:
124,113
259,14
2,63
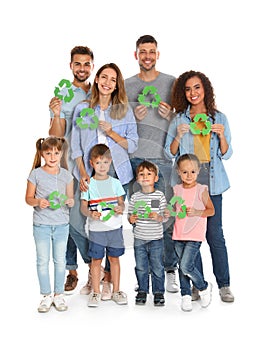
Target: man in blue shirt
61,112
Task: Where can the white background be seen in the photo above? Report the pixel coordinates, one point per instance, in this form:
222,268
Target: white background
227,41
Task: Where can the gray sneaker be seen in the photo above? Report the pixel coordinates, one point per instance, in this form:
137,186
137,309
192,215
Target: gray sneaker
120,298
195,294
94,299
226,294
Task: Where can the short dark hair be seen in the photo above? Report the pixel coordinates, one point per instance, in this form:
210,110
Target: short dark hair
100,150
82,50
147,165
145,39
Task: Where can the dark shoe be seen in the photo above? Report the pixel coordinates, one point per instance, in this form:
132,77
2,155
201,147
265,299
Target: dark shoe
141,298
159,299
70,284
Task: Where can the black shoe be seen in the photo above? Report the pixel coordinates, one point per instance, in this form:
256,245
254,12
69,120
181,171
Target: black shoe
159,299
141,298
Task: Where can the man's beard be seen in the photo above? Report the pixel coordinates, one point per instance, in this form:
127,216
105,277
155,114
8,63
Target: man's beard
79,79
146,69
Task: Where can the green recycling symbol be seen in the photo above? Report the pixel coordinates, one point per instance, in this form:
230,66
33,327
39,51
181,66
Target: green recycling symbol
145,206
68,85
56,200
152,90
207,125
176,199
81,122
105,205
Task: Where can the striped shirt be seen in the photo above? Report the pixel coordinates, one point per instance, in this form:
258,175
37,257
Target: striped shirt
106,192
146,228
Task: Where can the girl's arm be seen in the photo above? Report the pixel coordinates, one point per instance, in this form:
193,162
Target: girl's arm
30,197
209,207
70,194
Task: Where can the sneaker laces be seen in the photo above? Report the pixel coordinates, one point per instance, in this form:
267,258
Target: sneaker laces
95,297
172,277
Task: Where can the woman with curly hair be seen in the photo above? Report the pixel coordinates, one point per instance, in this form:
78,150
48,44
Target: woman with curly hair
201,129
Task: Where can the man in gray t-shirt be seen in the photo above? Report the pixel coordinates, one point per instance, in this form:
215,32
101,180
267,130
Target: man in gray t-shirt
153,116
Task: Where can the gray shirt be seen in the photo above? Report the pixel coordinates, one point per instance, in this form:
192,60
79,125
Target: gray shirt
46,184
152,130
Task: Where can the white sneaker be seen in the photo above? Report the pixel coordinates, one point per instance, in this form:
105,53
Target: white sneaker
186,303
120,298
87,289
94,299
45,303
60,303
172,285
106,293
206,295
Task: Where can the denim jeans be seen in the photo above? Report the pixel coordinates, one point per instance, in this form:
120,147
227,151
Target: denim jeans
46,236
187,252
149,260
77,234
163,184
216,242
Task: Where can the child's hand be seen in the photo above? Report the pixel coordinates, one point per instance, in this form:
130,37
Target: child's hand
167,213
43,203
118,210
133,219
193,212
69,202
156,217
95,215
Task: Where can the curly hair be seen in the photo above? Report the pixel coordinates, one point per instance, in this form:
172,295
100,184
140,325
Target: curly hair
178,99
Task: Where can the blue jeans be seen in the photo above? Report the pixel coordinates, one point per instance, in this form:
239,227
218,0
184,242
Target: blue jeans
149,260
216,242
163,184
46,236
187,252
77,234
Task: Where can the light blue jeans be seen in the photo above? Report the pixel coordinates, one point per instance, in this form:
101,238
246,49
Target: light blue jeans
47,237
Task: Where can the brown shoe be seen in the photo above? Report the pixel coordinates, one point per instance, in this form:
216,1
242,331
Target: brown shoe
70,284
